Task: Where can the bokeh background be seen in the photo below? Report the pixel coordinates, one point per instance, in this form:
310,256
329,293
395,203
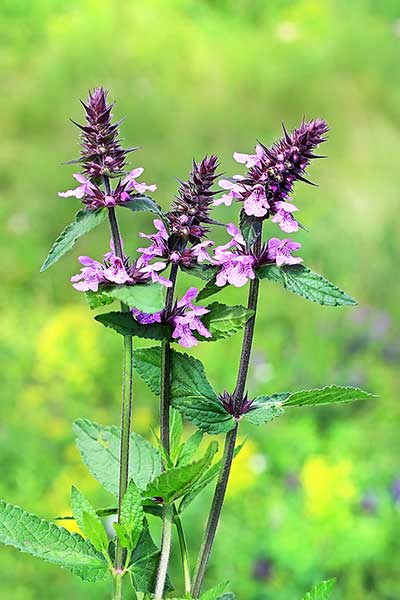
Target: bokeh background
317,493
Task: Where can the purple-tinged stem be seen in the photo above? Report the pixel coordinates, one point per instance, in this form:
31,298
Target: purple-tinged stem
230,438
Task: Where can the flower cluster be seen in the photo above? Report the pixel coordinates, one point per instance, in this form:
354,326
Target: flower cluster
102,157
191,207
116,271
271,174
237,264
184,317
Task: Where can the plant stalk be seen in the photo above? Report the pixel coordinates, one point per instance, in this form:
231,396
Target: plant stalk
165,551
230,438
117,591
126,405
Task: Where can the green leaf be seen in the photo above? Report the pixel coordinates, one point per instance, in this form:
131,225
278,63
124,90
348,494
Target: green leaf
209,289
146,297
89,522
322,591
38,537
98,299
303,282
85,220
100,446
141,203
265,409
190,390
175,482
327,395
144,564
176,430
122,534
250,227
215,592
201,270
132,514
125,324
204,481
190,447
223,321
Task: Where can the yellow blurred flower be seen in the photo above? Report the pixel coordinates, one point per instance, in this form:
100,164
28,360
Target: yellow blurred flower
328,487
245,469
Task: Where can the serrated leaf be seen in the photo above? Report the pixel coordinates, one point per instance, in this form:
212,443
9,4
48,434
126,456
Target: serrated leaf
175,482
215,592
122,534
250,227
265,409
327,395
223,321
303,282
141,203
147,298
29,533
132,514
209,289
201,270
85,220
190,391
98,299
100,447
125,324
204,481
322,591
88,521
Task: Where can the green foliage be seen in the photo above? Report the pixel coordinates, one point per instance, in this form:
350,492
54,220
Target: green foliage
223,321
303,282
250,227
125,324
132,514
142,203
201,270
191,393
100,446
322,591
328,395
190,447
144,563
147,298
85,220
87,519
38,537
209,289
265,409
177,481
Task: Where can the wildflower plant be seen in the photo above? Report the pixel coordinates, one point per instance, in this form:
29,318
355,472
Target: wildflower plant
163,479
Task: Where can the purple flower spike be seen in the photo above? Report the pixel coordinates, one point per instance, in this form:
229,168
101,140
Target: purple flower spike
279,251
237,265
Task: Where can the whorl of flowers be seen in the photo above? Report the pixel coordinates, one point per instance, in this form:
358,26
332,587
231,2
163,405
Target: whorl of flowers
190,209
272,172
102,157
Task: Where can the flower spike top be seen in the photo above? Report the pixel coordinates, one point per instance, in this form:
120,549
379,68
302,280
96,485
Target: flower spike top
102,157
190,209
272,172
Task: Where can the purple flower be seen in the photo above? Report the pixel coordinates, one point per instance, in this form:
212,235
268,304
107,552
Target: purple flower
190,209
272,172
237,265
130,183
117,271
184,319
279,251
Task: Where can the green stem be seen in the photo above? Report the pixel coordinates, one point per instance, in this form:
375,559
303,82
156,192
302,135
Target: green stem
117,591
230,438
184,551
165,551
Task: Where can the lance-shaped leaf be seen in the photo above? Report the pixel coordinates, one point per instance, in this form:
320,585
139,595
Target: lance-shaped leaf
250,227
125,324
202,271
100,447
38,537
328,395
88,520
223,321
190,391
322,591
174,483
141,203
132,514
147,298
209,289
85,220
265,409
303,282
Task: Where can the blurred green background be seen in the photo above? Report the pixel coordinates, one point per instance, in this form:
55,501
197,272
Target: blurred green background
316,493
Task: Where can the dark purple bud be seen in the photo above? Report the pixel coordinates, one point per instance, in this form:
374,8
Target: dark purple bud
262,568
236,409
